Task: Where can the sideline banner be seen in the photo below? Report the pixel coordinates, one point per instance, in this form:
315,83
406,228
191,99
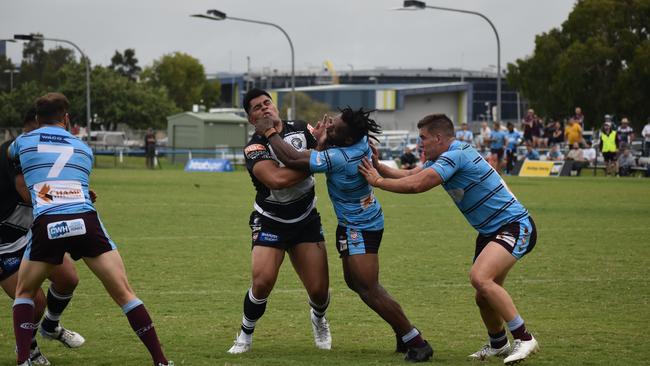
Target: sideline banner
208,165
535,168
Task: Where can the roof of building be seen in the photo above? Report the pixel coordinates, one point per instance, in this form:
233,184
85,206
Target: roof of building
211,117
430,88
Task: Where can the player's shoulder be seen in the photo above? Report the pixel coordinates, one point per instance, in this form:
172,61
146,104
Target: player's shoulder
296,125
256,148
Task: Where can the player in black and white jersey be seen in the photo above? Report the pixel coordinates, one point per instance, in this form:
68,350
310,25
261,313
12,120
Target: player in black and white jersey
284,219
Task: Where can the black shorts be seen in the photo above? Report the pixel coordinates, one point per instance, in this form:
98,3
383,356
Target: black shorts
81,235
270,233
609,156
498,153
353,242
517,237
10,262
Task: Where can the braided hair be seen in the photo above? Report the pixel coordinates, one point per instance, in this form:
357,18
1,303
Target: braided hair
360,123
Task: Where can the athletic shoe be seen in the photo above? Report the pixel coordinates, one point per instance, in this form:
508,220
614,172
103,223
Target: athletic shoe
37,357
487,351
69,338
521,350
321,328
26,363
243,343
169,363
419,354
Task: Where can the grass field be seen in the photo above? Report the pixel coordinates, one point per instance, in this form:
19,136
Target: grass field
583,291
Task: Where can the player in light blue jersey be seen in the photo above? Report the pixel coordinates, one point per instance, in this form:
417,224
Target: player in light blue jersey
506,230
343,143
56,168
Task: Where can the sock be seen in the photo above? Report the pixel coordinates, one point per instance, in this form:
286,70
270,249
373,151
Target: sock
23,314
499,339
413,338
143,326
319,310
518,329
253,310
56,303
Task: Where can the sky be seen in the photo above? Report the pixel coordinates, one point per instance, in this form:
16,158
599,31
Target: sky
352,34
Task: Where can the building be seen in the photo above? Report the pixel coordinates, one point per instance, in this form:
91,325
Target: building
189,130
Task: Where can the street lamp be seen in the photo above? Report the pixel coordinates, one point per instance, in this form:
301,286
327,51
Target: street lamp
32,37
214,14
418,5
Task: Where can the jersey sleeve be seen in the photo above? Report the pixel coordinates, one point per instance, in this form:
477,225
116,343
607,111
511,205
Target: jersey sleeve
256,151
447,164
326,161
12,156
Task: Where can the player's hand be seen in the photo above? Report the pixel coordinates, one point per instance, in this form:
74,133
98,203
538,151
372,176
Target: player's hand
320,135
93,196
375,156
263,124
371,174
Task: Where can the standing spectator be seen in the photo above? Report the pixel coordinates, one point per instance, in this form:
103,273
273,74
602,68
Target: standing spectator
531,153
555,154
579,117
75,129
497,145
576,158
646,138
538,131
150,147
589,153
527,124
408,160
609,148
484,136
555,134
626,162
625,132
573,133
513,137
464,134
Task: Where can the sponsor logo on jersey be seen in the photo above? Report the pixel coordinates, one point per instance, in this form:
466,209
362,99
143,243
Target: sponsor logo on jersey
58,192
268,237
296,142
254,147
44,137
64,229
367,201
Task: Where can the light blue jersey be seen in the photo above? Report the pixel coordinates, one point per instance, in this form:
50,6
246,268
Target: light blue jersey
56,166
498,139
354,203
477,189
513,140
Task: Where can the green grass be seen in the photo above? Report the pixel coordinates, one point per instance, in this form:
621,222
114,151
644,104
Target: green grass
583,291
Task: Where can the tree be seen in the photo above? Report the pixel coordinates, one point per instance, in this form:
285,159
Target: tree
211,93
182,75
14,105
43,66
307,109
598,60
126,64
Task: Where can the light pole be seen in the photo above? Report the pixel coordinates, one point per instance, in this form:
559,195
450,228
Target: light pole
32,37
415,4
214,14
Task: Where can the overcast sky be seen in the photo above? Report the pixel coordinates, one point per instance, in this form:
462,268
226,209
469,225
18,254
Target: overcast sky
353,34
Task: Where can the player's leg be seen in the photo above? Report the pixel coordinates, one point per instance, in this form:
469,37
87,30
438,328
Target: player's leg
109,269
64,280
310,262
362,276
266,262
28,285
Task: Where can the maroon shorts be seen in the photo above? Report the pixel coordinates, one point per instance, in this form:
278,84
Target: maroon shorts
80,234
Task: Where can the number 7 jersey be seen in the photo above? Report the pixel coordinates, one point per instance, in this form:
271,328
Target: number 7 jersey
56,166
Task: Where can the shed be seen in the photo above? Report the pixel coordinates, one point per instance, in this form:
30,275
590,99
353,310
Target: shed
206,130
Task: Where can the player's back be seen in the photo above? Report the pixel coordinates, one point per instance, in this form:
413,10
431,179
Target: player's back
56,166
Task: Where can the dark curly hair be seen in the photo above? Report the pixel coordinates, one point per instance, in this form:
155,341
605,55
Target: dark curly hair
360,123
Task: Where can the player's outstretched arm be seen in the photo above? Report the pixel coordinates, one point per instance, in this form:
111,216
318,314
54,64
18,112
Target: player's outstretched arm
274,177
283,151
416,183
388,172
21,188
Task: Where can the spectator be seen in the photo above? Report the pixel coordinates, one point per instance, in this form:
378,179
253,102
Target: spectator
497,145
513,138
464,134
150,147
538,131
626,162
646,139
589,153
576,158
625,132
573,132
579,117
408,160
527,124
555,154
555,134
75,129
609,148
531,153
484,136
